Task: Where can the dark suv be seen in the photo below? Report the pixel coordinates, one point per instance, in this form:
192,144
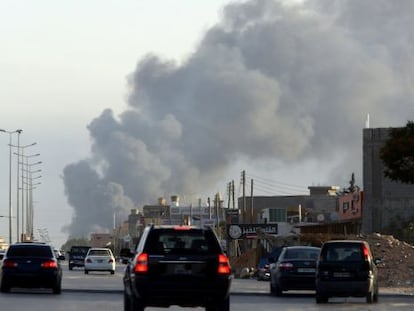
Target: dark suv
178,265
346,268
30,265
77,255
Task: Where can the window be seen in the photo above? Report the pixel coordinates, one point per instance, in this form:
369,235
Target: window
277,215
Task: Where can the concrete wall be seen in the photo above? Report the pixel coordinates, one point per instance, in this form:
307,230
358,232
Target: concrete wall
385,201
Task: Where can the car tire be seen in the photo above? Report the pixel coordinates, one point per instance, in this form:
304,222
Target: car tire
112,271
4,287
321,298
272,289
86,271
371,297
70,267
136,304
57,289
278,290
127,302
222,306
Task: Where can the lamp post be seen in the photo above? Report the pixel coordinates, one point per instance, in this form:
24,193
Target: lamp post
10,169
29,207
18,183
29,187
25,159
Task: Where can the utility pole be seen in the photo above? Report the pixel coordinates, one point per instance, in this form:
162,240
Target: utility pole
232,193
251,202
244,194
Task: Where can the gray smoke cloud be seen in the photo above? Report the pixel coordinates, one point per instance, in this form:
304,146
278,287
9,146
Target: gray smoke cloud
269,82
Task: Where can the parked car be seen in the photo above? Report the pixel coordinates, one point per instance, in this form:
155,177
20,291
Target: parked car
99,259
178,265
30,265
346,269
294,269
77,256
263,271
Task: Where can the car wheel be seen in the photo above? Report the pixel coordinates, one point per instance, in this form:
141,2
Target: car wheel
4,288
278,290
127,302
136,304
57,289
222,306
112,272
272,289
321,298
70,267
370,298
86,271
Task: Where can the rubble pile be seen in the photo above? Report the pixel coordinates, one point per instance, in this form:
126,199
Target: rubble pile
397,257
397,260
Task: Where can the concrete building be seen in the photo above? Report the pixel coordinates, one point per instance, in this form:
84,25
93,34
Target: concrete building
385,202
321,205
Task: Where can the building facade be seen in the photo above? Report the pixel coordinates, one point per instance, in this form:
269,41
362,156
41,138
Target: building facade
386,203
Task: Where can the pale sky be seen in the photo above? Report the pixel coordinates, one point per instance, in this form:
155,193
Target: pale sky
62,63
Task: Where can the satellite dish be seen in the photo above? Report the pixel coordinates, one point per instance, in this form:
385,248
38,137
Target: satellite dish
320,217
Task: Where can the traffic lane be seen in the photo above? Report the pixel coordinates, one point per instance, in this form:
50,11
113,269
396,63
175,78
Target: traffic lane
40,300
76,280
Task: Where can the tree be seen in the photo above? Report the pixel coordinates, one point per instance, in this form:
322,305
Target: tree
397,154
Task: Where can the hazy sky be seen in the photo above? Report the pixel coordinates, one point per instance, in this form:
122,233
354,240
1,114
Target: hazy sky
63,62
131,100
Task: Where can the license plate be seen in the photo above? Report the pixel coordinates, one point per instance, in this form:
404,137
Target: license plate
100,260
341,274
306,270
180,269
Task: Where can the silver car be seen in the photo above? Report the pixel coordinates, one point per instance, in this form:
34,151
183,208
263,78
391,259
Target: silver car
99,259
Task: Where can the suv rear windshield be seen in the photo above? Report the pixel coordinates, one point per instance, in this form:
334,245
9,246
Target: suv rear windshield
343,252
30,251
169,240
79,250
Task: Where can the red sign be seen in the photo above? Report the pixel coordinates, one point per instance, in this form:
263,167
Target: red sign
350,205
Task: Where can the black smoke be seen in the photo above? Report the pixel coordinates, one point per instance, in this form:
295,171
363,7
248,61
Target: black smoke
269,82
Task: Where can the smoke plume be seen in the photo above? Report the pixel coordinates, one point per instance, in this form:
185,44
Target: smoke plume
268,82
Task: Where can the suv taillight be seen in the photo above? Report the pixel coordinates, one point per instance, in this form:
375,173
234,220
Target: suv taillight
223,265
366,252
141,265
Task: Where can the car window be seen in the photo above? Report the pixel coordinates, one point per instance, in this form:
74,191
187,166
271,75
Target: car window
99,252
352,252
32,251
301,254
178,241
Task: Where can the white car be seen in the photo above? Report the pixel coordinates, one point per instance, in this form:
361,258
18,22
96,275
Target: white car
99,259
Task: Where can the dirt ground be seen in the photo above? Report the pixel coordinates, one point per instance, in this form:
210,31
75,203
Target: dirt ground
397,258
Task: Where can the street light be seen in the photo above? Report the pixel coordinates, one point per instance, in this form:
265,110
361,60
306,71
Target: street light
29,205
10,169
18,184
27,180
